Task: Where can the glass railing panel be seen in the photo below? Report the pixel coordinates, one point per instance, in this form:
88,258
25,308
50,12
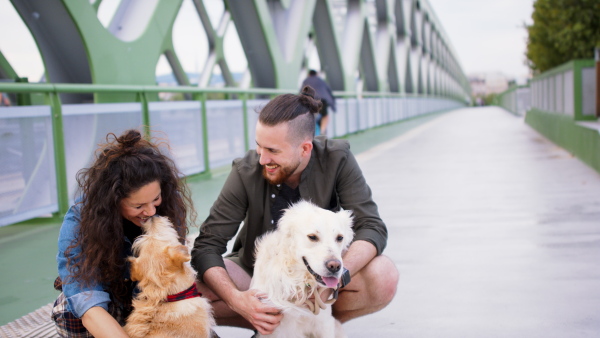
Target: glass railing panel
27,167
225,131
559,93
180,122
569,93
588,91
352,106
86,126
372,111
363,114
253,108
340,118
402,108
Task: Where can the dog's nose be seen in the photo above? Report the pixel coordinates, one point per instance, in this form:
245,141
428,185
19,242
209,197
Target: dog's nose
333,265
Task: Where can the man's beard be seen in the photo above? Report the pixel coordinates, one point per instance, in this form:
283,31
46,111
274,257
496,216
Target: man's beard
282,174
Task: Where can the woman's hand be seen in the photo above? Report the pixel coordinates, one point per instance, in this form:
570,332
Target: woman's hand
101,324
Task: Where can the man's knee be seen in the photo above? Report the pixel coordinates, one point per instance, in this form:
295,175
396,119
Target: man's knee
240,278
374,288
382,277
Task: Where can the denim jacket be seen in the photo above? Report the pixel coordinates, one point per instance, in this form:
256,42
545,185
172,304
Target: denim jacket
80,298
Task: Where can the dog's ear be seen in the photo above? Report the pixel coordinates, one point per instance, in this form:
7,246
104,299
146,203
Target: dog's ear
178,254
345,216
133,271
346,220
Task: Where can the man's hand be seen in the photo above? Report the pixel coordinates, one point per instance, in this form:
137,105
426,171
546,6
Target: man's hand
264,317
248,304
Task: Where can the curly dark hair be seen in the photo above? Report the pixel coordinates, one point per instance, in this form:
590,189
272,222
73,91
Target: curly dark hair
122,166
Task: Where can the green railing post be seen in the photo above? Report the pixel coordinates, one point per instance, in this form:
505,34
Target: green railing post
145,113
204,114
578,91
23,99
60,158
244,98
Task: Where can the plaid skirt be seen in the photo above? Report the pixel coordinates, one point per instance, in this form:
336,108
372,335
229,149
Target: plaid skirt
67,325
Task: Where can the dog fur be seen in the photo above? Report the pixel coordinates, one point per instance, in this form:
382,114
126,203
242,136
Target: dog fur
305,232
162,268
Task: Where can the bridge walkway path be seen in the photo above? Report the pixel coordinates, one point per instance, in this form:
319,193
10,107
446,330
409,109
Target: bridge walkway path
495,231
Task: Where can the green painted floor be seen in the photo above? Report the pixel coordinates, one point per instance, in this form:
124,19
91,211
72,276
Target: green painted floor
27,252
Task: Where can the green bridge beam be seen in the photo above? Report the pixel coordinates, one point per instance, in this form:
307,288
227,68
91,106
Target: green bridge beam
378,46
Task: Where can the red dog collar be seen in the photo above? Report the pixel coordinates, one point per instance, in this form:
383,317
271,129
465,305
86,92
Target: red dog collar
190,292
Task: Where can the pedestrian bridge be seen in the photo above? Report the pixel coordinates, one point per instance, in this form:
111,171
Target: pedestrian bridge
493,227
494,230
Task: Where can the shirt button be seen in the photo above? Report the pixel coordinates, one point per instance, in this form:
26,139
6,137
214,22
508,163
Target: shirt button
273,196
272,222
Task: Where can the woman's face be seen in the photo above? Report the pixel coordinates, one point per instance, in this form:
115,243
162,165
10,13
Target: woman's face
141,204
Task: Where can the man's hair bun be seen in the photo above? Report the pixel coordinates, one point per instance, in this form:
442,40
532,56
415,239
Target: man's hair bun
308,99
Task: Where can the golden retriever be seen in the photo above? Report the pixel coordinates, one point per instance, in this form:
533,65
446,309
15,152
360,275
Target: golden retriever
168,304
303,255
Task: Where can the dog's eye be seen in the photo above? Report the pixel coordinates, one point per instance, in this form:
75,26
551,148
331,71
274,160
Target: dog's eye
340,238
313,238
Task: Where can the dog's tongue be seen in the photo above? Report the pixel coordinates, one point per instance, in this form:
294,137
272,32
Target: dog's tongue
331,282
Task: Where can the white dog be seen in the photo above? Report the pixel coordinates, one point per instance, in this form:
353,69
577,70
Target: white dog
302,257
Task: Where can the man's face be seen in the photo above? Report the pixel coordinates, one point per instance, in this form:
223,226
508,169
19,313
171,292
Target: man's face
280,159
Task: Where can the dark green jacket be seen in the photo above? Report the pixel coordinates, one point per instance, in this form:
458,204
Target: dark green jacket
332,180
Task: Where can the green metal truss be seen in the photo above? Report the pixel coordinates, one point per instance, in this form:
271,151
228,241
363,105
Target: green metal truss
393,45
6,71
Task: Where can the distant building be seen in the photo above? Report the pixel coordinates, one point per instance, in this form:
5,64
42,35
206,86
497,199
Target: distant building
478,87
483,84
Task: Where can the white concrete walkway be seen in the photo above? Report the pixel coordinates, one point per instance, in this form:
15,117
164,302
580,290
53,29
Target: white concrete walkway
495,231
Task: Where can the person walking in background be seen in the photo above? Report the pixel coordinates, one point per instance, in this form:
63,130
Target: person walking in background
324,94
4,100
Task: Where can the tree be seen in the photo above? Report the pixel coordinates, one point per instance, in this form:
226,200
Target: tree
562,30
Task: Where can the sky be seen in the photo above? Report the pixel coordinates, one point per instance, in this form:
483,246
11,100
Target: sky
487,35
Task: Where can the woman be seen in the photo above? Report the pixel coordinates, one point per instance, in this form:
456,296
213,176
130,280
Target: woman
130,181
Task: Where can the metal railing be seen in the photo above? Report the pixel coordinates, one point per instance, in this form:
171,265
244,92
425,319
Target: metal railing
43,146
563,108
567,89
516,99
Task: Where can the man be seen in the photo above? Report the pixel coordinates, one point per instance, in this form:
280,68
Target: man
324,94
288,165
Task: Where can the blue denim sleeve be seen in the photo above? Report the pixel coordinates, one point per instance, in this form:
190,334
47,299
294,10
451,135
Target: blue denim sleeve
79,298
